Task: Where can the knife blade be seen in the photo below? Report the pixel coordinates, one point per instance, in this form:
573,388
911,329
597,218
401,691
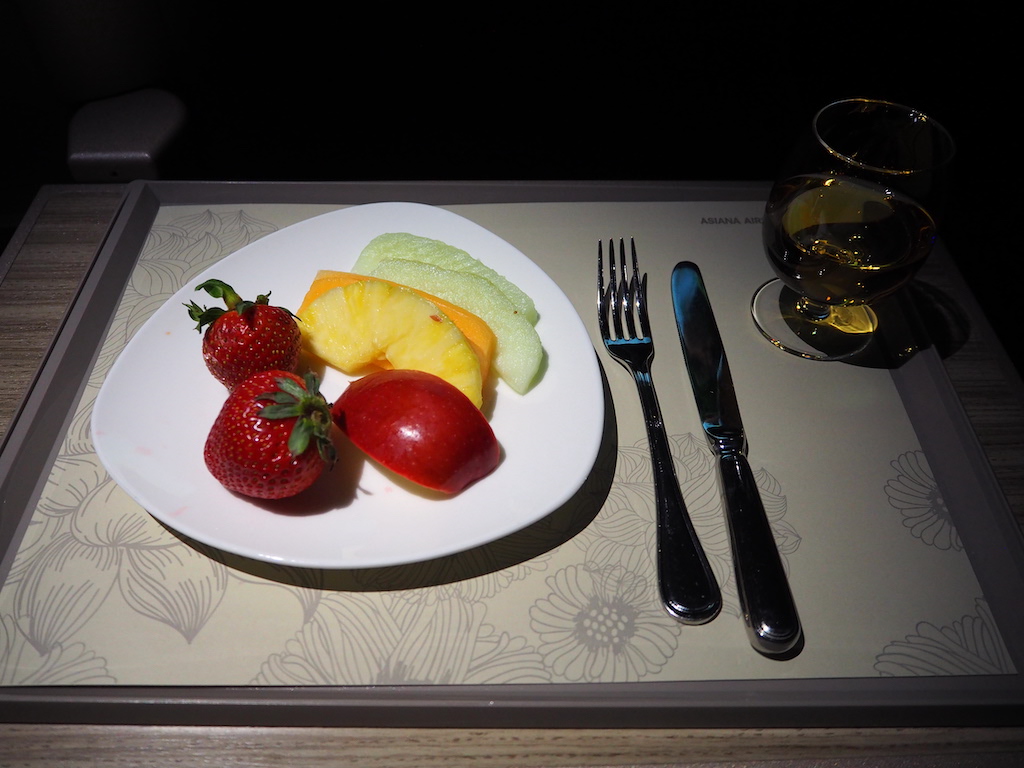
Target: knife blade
769,611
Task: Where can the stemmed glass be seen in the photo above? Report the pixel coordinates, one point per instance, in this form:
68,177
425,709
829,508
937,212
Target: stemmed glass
851,220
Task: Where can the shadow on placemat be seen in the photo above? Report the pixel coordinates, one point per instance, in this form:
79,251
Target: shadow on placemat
919,317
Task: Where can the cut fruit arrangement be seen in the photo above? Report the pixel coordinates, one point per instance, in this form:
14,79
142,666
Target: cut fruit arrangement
419,324
455,276
374,323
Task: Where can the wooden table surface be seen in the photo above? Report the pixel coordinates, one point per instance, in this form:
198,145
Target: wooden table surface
39,274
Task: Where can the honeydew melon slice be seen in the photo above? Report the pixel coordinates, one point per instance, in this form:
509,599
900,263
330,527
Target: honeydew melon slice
403,245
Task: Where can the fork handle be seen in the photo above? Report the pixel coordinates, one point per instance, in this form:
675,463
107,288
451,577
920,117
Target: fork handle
689,590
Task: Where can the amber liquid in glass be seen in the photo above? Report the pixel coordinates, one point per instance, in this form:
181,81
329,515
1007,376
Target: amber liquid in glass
843,241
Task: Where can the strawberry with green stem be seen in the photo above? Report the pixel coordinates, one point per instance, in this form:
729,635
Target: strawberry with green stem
245,337
271,439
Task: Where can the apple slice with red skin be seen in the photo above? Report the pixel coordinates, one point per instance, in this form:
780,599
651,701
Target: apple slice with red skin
419,426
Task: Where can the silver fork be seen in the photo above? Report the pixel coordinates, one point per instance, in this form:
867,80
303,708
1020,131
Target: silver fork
686,582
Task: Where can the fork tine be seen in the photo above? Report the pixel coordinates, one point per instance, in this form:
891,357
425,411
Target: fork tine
641,307
641,293
617,300
611,309
627,291
602,296
623,297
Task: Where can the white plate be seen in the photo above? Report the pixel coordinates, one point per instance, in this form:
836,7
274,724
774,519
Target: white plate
156,405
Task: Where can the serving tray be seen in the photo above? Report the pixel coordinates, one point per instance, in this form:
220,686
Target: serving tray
902,554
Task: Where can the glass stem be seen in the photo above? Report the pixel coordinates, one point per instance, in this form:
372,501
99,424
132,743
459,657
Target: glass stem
813,310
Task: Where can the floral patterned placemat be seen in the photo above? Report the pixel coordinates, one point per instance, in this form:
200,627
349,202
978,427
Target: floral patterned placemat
100,593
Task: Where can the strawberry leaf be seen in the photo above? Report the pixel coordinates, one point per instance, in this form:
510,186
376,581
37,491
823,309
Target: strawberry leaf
203,315
218,289
302,433
310,410
281,411
295,390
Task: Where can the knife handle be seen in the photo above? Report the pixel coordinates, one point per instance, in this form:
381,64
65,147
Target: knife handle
773,625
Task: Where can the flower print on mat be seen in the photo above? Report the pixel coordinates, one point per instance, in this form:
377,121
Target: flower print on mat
916,495
970,646
601,624
354,639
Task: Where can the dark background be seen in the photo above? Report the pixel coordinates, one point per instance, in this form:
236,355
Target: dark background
691,91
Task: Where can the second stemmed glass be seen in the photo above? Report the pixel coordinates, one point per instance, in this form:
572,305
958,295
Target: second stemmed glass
851,220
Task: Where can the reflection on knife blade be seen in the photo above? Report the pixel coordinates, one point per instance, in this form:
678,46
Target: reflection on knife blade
768,608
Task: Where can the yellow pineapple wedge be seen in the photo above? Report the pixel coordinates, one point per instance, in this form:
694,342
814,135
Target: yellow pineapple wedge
477,332
375,323
518,353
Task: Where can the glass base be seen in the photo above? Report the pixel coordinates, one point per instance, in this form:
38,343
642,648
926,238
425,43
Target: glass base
841,333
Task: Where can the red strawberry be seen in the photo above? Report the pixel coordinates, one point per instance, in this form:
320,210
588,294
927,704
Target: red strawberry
271,439
247,337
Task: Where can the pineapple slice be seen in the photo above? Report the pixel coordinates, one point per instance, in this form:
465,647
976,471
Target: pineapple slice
518,354
375,323
476,331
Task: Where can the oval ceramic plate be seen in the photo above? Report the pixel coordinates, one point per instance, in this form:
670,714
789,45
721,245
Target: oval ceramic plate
156,406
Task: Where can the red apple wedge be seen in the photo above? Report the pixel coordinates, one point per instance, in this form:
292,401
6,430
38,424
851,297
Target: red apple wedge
419,426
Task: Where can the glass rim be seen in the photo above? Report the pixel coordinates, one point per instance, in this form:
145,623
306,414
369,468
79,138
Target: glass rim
917,115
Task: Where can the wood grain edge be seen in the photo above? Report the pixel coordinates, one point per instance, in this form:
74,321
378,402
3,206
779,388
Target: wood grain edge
44,264
369,747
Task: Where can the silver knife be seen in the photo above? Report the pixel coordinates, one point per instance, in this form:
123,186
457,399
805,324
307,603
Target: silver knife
773,625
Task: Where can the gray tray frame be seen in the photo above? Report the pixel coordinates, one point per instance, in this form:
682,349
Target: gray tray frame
37,429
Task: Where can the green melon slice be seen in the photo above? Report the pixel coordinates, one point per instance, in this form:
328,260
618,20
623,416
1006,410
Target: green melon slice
402,245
